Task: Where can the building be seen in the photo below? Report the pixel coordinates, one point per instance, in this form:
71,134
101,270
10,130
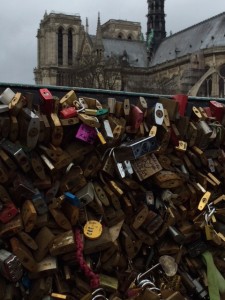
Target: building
69,55
191,61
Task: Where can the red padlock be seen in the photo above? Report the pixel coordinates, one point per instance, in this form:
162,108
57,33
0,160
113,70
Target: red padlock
182,103
46,100
207,110
137,116
8,213
68,112
217,110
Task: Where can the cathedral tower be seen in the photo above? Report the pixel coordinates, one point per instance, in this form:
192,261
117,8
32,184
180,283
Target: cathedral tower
155,24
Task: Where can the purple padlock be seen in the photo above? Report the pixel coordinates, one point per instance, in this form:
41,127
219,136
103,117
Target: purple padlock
86,133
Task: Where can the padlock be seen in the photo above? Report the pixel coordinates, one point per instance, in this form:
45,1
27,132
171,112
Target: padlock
89,120
68,99
182,103
135,149
24,255
142,104
108,130
29,215
7,96
114,199
63,243
69,121
29,128
10,266
171,107
86,194
137,116
91,165
28,240
146,166
17,103
57,130
22,188
46,101
119,109
156,114
45,129
68,112
8,213
39,203
59,217
7,160
17,153
37,165
86,133
168,179
12,227
217,110
100,244
112,105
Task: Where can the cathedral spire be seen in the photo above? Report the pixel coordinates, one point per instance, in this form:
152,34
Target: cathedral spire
155,24
99,48
46,14
99,30
87,26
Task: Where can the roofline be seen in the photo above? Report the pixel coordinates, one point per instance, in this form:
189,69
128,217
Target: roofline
119,21
195,25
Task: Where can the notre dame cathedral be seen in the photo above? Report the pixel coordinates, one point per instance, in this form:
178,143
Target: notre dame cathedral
191,61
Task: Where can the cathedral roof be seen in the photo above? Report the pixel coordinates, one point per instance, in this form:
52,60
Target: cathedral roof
135,50
206,34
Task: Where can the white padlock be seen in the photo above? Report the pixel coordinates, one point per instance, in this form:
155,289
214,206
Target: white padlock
7,96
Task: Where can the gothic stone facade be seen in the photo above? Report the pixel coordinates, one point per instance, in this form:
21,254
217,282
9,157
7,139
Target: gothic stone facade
191,61
69,55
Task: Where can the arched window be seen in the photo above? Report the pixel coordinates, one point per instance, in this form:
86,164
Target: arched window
222,71
120,36
206,88
60,46
70,47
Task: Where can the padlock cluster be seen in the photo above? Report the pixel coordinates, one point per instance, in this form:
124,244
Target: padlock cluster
112,200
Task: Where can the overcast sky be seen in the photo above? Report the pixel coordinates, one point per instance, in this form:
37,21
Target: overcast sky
19,21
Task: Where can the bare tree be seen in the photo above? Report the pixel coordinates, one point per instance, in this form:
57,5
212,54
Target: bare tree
96,72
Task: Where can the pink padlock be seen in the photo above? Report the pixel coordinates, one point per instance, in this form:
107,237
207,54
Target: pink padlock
86,133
